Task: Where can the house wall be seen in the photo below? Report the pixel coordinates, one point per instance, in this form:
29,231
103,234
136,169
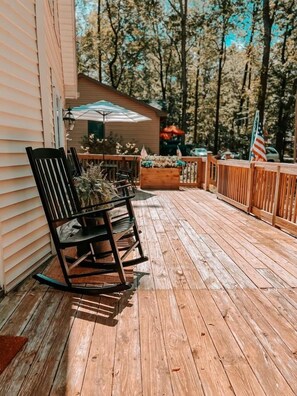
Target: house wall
30,71
143,133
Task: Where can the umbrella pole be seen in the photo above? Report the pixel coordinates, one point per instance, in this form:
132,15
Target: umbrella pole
103,121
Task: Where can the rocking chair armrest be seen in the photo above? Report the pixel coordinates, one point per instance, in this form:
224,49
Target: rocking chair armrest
121,183
88,213
110,203
123,198
97,209
104,206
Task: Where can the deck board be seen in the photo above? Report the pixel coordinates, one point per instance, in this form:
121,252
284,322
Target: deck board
155,371
213,312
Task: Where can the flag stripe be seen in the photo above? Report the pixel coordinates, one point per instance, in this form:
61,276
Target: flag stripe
258,149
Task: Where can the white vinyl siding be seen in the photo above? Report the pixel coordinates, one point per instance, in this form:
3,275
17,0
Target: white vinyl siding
68,35
30,60
23,229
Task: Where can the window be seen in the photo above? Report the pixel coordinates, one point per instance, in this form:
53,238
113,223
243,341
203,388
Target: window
96,128
58,120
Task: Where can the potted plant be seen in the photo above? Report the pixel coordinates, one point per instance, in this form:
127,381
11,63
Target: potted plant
160,172
93,188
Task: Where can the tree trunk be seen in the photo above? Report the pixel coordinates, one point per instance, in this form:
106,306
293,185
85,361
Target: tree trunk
246,71
295,133
217,121
112,63
267,22
282,122
196,105
184,81
99,41
248,98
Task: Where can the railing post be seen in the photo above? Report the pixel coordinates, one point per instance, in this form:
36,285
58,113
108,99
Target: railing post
276,196
218,171
199,172
138,169
250,186
207,168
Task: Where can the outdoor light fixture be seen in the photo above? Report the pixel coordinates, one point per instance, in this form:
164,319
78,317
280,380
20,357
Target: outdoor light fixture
69,119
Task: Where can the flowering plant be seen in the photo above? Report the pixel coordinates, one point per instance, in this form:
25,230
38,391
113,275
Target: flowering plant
93,188
112,144
159,161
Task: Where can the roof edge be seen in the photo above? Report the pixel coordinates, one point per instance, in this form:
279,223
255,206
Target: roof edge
160,113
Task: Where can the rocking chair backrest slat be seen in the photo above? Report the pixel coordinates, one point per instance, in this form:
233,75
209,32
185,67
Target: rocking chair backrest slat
42,168
76,165
54,183
63,189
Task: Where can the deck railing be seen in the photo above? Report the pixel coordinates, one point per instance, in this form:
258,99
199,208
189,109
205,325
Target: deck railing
267,190
210,171
112,163
192,174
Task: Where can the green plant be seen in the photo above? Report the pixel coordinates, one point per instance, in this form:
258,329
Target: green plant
93,187
159,161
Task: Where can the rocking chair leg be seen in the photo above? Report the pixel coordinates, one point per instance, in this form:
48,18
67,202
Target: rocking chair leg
112,288
115,250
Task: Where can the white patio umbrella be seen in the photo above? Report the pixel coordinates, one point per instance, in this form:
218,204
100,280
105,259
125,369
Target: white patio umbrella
106,112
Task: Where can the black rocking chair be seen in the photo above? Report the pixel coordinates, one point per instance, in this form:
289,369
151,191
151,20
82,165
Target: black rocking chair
68,223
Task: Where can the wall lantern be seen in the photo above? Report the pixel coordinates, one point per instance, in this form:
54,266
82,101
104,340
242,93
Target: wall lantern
69,120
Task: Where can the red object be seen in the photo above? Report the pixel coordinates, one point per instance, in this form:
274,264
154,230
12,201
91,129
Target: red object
172,129
165,136
9,347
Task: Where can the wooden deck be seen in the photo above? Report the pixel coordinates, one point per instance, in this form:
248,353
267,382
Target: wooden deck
213,313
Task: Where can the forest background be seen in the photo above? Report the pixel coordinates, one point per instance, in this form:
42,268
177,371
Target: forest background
209,64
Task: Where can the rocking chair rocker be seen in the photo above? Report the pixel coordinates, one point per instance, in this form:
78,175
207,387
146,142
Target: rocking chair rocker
63,211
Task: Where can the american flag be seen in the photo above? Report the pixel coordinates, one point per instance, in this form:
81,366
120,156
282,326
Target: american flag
258,151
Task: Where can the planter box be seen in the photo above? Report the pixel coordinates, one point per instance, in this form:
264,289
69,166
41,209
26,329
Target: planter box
160,178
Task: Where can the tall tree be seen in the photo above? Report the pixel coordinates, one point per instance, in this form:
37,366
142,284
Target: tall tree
285,105
246,81
160,49
99,41
225,10
268,19
181,10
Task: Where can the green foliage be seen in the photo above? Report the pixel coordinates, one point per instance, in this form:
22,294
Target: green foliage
142,54
112,144
159,161
93,187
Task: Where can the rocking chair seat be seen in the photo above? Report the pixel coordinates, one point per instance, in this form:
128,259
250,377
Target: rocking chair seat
96,233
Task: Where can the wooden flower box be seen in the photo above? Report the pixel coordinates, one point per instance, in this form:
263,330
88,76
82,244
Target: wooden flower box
160,178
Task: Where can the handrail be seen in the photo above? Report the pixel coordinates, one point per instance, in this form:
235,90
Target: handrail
267,190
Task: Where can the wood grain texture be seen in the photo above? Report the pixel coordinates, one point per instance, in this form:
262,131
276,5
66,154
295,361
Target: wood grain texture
212,312
160,178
